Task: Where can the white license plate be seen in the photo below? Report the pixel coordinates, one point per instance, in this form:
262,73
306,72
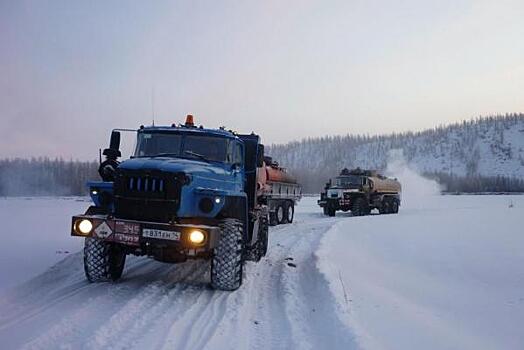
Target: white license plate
161,234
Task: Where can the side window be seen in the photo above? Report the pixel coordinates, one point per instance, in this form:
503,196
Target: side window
238,157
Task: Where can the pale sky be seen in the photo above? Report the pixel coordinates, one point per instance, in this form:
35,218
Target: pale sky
71,71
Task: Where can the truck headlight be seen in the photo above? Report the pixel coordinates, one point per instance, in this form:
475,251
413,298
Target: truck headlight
83,226
197,237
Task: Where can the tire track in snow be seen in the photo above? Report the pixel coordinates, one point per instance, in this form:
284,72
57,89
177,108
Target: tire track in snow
140,313
160,306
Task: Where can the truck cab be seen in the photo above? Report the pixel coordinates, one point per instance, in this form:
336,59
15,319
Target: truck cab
187,192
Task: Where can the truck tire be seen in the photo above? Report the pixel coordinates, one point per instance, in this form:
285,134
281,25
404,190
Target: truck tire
385,207
325,210
331,210
273,219
359,208
227,262
394,206
103,261
281,214
290,212
259,250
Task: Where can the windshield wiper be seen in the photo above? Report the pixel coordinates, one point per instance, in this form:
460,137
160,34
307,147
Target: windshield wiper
198,155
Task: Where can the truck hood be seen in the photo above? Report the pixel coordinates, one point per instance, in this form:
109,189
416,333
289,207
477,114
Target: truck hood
175,165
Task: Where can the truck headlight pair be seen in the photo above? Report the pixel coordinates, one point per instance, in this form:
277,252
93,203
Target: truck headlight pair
83,226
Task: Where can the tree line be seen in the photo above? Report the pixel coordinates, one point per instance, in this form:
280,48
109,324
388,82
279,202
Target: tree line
45,177
489,151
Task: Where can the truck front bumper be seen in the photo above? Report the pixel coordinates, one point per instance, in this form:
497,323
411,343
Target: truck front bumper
139,233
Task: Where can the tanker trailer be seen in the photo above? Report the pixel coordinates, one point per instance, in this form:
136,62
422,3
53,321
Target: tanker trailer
279,190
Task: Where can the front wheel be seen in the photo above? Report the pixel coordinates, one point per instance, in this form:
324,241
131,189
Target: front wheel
103,261
359,208
227,262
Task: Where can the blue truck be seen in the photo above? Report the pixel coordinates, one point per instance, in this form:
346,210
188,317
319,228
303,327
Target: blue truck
187,192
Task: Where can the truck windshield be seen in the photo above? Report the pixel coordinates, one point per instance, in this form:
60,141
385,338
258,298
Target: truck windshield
158,144
348,180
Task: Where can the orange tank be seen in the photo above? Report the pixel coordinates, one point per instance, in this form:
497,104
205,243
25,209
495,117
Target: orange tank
277,174
272,172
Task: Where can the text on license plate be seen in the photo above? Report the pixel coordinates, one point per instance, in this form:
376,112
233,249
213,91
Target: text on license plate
161,234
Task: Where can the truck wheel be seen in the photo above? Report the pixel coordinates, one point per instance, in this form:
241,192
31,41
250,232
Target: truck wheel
290,212
281,217
359,207
103,261
325,210
331,211
385,207
394,207
273,219
226,265
259,250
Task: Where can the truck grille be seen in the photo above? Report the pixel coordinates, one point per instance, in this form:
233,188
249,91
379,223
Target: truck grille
147,195
145,184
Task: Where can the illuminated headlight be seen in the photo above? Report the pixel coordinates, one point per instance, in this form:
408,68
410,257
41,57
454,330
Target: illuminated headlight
197,237
94,192
217,200
84,226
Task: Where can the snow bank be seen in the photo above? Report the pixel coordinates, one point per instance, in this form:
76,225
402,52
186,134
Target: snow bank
447,277
35,233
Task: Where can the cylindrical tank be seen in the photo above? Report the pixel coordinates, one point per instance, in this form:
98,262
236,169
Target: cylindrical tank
382,184
277,174
272,173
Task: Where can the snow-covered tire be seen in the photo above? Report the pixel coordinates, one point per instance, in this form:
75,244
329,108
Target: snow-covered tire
384,208
394,206
359,208
259,250
273,219
290,212
281,214
103,261
227,262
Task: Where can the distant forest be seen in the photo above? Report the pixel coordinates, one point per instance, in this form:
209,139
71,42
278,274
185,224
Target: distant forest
45,177
56,177
485,154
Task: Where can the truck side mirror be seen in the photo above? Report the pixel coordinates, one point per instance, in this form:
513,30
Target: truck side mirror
113,152
260,155
108,167
115,140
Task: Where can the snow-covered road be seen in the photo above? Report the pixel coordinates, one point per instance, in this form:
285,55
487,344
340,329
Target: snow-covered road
435,276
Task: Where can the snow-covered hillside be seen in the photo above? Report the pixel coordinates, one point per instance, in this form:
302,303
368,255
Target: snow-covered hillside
445,273
491,146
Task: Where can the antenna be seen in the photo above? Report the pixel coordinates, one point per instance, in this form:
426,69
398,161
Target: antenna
153,104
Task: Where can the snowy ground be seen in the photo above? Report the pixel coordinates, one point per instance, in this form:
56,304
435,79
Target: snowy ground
446,273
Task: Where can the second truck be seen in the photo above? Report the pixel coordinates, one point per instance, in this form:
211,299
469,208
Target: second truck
361,191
